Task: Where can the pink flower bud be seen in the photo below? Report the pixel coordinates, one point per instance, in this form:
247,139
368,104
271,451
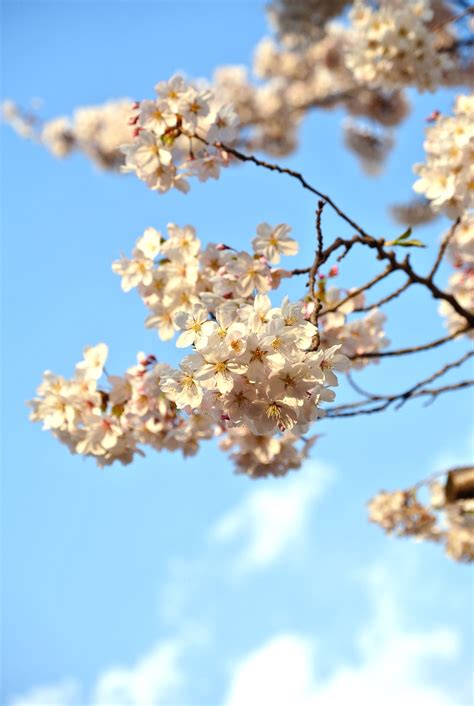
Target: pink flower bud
433,116
334,271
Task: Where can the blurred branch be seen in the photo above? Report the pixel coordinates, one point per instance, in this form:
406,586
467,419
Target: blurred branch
379,403
386,299
443,246
412,349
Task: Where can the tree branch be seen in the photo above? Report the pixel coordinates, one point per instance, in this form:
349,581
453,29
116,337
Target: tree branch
443,247
412,349
386,299
383,402
314,270
356,292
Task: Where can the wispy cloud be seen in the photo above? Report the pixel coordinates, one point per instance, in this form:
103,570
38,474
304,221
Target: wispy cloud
65,693
153,680
391,658
392,663
271,520
156,679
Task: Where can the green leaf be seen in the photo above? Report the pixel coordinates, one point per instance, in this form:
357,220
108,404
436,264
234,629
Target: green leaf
405,235
410,244
403,241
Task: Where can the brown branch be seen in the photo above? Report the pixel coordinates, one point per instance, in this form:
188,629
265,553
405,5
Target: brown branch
453,20
299,177
314,271
319,250
412,349
404,266
362,236
356,292
459,44
352,409
386,299
357,388
443,247
301,271
336,412
439,373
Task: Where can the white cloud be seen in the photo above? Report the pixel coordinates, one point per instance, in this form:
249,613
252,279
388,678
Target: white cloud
392,667
65,693
154,680
271,520
392,664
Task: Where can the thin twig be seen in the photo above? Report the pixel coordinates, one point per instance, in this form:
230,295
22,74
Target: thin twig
301,271
362,236
453,20
459,44
314,271
432,392
386,299
357,388
404,266
442,248
439,373
356,292
295,175
352,409
412,349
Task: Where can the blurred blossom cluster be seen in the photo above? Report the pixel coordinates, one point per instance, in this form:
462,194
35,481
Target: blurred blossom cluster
393,46
97,131
443,518
360,60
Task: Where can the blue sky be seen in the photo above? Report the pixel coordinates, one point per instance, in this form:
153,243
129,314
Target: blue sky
177,582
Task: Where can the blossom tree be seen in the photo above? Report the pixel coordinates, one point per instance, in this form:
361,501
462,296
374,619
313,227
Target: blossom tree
260,370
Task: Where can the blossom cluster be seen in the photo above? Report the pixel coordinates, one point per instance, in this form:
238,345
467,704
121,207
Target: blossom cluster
393,46
357,336
414,212
262,456
175,274
461,245
300,21
255,366
97,131
253,372
370,147
313,63
233,383
461,282
440,519
447,176
313,75
177,134
461,286
107,421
